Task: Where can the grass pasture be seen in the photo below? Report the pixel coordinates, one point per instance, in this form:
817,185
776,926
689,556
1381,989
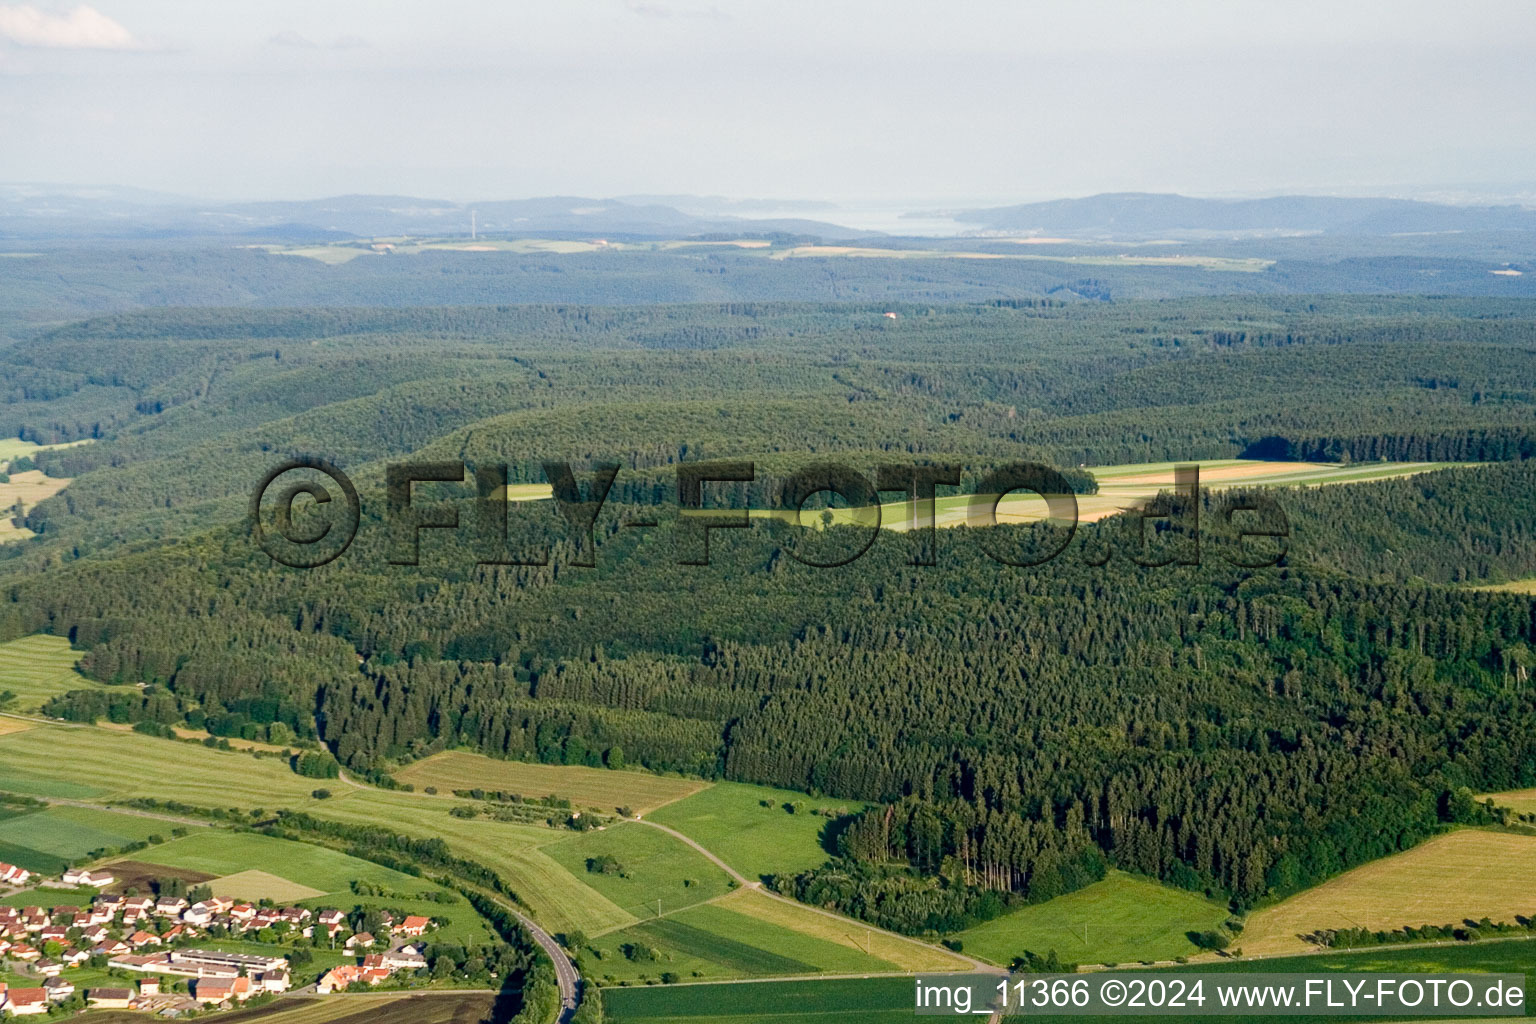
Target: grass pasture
596,788
38,667
1118,919
1464,874
69,833
729,820
655,867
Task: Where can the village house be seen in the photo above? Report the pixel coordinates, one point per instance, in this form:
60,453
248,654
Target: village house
49,968
97,879
338,978
24,1002
170,906
415,925
361,940
275,980
58,989
403,959
149,986
13,875
213,991
110,998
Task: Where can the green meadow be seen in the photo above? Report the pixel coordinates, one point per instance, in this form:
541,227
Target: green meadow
38,667
652,867
69,833
1119,919
731,820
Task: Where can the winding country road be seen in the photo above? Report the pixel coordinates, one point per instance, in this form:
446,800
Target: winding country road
565,971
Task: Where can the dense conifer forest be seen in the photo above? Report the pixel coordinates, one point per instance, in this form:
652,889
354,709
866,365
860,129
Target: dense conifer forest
1241,731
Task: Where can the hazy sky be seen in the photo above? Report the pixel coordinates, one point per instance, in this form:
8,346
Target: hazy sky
884,99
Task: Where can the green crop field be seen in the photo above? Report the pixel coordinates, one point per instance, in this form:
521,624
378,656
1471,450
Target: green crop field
653,866
33,860
1120,919
596,788
730,820
886,1000
72,832
713,941
36,668
855,1000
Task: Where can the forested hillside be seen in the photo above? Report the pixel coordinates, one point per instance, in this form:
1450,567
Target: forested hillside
1241,731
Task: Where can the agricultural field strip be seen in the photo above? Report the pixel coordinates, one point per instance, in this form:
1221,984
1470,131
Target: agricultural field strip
1464,874
1523,800
596,788
1122,488
72,832
38,667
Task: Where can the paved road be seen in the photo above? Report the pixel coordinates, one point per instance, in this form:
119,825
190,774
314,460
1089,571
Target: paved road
565,971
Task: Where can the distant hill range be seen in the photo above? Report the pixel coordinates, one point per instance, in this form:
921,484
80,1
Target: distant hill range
51,211
1129,215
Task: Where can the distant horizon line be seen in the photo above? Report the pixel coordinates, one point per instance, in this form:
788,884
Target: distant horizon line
1446,194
